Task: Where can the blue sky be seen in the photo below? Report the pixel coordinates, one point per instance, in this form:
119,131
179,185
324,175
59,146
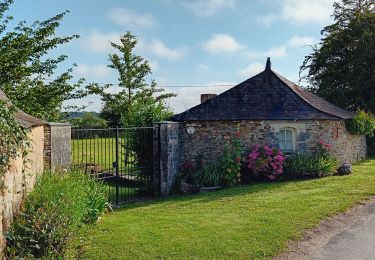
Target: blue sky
201,42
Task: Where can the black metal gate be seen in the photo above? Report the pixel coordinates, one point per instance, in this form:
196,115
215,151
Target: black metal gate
120,157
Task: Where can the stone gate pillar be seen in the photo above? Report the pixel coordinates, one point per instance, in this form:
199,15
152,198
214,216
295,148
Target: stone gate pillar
165,156
57,150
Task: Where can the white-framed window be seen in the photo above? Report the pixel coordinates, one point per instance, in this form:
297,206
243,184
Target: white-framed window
286,140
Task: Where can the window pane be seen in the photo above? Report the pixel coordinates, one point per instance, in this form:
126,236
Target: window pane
282,135
288,135
282,145
288,146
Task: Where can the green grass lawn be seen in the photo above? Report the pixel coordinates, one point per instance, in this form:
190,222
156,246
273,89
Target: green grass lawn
99,151
245,222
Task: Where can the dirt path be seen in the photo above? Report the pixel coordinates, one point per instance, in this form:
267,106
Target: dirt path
350,235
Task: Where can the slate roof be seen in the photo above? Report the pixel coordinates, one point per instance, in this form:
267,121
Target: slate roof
23,118
266,96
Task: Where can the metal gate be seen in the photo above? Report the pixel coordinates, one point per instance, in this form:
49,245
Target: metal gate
122,158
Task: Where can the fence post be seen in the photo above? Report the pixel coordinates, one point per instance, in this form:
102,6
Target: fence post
117,165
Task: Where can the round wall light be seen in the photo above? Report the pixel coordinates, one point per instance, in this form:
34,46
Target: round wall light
190,130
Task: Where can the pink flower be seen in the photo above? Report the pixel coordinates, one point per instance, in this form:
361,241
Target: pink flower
272,177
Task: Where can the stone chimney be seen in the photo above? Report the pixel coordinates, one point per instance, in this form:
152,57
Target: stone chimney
205,97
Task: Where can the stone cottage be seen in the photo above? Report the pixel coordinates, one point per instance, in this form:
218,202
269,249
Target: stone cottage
266,109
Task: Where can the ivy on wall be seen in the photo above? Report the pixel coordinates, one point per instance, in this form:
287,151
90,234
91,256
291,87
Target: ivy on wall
13,137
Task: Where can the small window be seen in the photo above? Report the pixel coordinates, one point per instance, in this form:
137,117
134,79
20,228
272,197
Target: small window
286,143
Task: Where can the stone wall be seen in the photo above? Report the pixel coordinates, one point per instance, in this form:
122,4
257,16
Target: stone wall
19,180
57,146
166,150
204,142
209,138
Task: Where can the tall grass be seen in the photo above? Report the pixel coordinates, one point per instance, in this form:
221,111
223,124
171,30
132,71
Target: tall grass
58,206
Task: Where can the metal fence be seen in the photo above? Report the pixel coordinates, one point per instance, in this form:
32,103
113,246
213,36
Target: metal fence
122,158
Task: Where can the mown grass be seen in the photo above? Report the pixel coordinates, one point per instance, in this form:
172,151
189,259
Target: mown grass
98,151
245,222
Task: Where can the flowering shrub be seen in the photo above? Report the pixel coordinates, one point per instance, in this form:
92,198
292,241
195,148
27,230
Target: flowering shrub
324,149
230,163
265,162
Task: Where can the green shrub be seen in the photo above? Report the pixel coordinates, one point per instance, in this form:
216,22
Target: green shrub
225,172
58,206
307,166
362,124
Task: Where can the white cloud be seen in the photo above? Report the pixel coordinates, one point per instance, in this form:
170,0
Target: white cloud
300,41
203,67
209,7
251,70
188,97
154,65
276,52
94,71
158,48
302,11
99,42
267,19
130,18
222,43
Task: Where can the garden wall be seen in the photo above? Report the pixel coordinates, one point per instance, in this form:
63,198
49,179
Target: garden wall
206,141
19,180
209,138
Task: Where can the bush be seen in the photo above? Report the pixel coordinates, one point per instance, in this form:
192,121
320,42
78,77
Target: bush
362,124
58,206
307,166
225,172
265,163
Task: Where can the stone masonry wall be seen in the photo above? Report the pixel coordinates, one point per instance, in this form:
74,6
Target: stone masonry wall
57,146
18,181
210,137
166,144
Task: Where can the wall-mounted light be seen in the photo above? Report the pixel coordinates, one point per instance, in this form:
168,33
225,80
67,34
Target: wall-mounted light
190,130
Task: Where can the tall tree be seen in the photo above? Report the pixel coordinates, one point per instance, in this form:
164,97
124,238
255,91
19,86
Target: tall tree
28,75
342,68
136,103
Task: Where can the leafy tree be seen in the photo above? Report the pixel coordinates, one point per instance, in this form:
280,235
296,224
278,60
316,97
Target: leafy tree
88,120
342,68
137,103
27,76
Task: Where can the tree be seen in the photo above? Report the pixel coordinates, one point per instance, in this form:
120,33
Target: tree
27,76
88,120
342,68
137,103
